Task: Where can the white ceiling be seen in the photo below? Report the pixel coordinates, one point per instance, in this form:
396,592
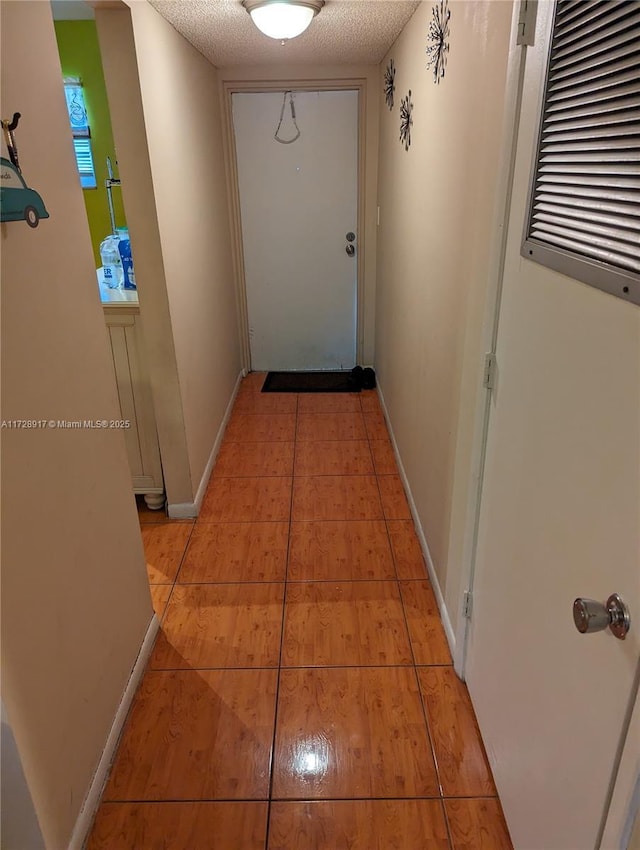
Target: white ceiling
344,32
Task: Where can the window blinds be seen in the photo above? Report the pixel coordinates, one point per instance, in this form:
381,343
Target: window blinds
585,199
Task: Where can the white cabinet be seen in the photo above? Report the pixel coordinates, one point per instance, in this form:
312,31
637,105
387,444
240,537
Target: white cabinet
136,401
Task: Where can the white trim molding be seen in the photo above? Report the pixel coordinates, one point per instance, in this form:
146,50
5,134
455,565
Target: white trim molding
444,613
89,808
188,510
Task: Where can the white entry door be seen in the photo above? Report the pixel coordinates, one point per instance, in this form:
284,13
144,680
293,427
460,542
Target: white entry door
560,519
298,202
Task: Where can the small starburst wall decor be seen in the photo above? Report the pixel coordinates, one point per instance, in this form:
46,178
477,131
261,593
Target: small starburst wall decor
438,37
389,83
406,120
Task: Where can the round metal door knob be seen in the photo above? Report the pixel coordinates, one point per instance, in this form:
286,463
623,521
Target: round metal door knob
589,615
350,250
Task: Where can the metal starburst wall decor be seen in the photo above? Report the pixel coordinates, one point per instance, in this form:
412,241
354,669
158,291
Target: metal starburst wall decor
389,83
406,120
438,37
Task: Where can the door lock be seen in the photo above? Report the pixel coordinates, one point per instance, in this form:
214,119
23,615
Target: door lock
591,616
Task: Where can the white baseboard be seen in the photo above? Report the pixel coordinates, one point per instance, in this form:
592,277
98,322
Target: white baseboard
444,613
94,795
187,510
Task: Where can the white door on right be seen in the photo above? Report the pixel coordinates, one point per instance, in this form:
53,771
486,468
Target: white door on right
560,519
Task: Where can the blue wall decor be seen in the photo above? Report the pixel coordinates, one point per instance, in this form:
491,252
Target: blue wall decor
17,201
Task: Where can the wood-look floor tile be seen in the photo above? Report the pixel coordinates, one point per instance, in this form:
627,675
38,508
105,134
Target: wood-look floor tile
358,825
236,551
407,553
394,500
384,459
477,825
345,623
246,500
462,764
253,382
179,826
335,497
160,594
329,403
370,402
197,735
258,402
349,732
425,626
261,428
220,625
315,427
164,545
334,457
339,550
376,425
254,460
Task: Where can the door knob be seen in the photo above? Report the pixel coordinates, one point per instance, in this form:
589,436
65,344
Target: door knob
350,249
591,616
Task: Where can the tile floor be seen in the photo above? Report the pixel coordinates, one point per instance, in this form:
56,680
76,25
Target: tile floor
300,695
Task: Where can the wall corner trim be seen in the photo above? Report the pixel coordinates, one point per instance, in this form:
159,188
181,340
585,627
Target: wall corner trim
187,510
444,613
84,821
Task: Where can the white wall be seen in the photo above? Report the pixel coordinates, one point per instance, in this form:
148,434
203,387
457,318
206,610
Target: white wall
75,598
436,206
163,97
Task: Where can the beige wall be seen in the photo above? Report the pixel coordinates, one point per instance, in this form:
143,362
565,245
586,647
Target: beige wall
75,599
182,115
163,98
289,75
436,212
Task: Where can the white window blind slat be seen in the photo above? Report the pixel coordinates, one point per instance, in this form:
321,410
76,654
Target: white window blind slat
593,62
588,206
590,216
597,38
597,83
597,20
584,210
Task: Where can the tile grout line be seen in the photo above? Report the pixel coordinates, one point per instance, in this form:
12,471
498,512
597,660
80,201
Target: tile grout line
415,667
282,626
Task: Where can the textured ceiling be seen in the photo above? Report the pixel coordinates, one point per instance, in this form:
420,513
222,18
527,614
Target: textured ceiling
344,32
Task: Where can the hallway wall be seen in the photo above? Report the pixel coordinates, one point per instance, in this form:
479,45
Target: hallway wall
182,117
75,598
436,211
163,97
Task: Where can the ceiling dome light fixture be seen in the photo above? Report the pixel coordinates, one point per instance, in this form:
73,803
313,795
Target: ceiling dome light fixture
282,19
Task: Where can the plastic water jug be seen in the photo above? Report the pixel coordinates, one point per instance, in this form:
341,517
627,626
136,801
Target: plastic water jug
111,262
124,249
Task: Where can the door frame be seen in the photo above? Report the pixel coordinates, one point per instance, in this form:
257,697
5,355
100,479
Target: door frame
231,87
513,93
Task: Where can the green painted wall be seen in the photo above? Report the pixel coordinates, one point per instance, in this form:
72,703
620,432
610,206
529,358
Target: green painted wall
80,57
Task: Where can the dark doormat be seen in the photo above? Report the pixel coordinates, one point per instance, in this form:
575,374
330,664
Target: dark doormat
311,382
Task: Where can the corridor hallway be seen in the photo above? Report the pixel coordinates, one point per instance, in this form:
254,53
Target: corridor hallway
301,694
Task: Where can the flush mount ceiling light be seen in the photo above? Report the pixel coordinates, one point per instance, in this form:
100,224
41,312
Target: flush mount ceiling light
282,19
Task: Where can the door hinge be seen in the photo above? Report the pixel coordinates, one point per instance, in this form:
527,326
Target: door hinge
467,604
527,22
490,364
